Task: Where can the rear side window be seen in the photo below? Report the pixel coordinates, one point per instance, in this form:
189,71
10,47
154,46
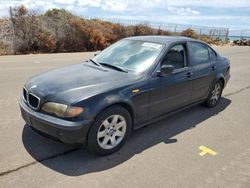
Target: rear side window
200,53
212,54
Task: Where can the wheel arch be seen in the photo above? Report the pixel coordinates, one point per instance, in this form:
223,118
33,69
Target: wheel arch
104,103
220,77
217,78
123,104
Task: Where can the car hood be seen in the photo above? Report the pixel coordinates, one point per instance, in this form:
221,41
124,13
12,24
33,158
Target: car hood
74,82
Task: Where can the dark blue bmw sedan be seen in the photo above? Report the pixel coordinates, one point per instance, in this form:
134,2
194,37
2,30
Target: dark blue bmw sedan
132,83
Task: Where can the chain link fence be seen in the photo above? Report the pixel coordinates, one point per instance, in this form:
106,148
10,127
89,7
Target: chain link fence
239,34
213,32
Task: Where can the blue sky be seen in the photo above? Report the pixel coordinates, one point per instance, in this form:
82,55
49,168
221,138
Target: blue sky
233,14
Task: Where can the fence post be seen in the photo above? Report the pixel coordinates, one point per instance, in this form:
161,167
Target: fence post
13,43
227,33
241,34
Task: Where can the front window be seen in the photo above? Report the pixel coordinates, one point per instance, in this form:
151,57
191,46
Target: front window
132,55
176,57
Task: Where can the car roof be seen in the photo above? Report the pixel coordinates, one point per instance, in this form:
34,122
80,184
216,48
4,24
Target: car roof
161,39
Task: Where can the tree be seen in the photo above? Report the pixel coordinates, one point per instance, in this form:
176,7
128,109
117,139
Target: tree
143,30
97,40
56,22
190,33
162,32
25,27
46,42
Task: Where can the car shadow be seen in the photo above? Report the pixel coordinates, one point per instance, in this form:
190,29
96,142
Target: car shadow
72,161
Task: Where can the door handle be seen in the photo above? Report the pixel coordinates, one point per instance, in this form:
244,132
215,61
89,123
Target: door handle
213,68
189,74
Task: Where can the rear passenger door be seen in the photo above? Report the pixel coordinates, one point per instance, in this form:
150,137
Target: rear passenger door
204,70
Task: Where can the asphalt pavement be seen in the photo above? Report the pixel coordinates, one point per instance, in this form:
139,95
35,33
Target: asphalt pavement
198,147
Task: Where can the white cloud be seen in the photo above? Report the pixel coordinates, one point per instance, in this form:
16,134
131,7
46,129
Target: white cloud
89,3
65,2
108,5
183,11
116,6
209,3
180,7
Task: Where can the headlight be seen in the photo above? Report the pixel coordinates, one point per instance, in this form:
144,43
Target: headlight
62,110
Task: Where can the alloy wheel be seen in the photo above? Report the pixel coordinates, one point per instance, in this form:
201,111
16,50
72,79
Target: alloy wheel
111,132
216,92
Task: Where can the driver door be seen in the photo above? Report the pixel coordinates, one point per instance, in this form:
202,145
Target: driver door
171,91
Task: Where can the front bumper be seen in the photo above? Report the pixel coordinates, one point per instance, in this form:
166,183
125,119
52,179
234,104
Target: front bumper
63,130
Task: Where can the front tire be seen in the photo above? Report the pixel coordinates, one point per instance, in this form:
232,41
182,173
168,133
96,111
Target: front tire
109,131
215,94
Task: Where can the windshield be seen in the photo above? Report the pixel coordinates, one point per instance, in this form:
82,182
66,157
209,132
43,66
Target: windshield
130,54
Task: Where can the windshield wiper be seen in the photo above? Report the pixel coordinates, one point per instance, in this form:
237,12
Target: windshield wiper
96,63
115,67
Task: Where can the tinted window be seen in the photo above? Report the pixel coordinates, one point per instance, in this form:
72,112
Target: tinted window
200,53
175,57
212,54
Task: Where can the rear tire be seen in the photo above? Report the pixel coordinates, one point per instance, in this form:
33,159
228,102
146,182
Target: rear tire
109,131
214,95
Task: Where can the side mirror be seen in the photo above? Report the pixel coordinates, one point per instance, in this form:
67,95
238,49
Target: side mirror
165,70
